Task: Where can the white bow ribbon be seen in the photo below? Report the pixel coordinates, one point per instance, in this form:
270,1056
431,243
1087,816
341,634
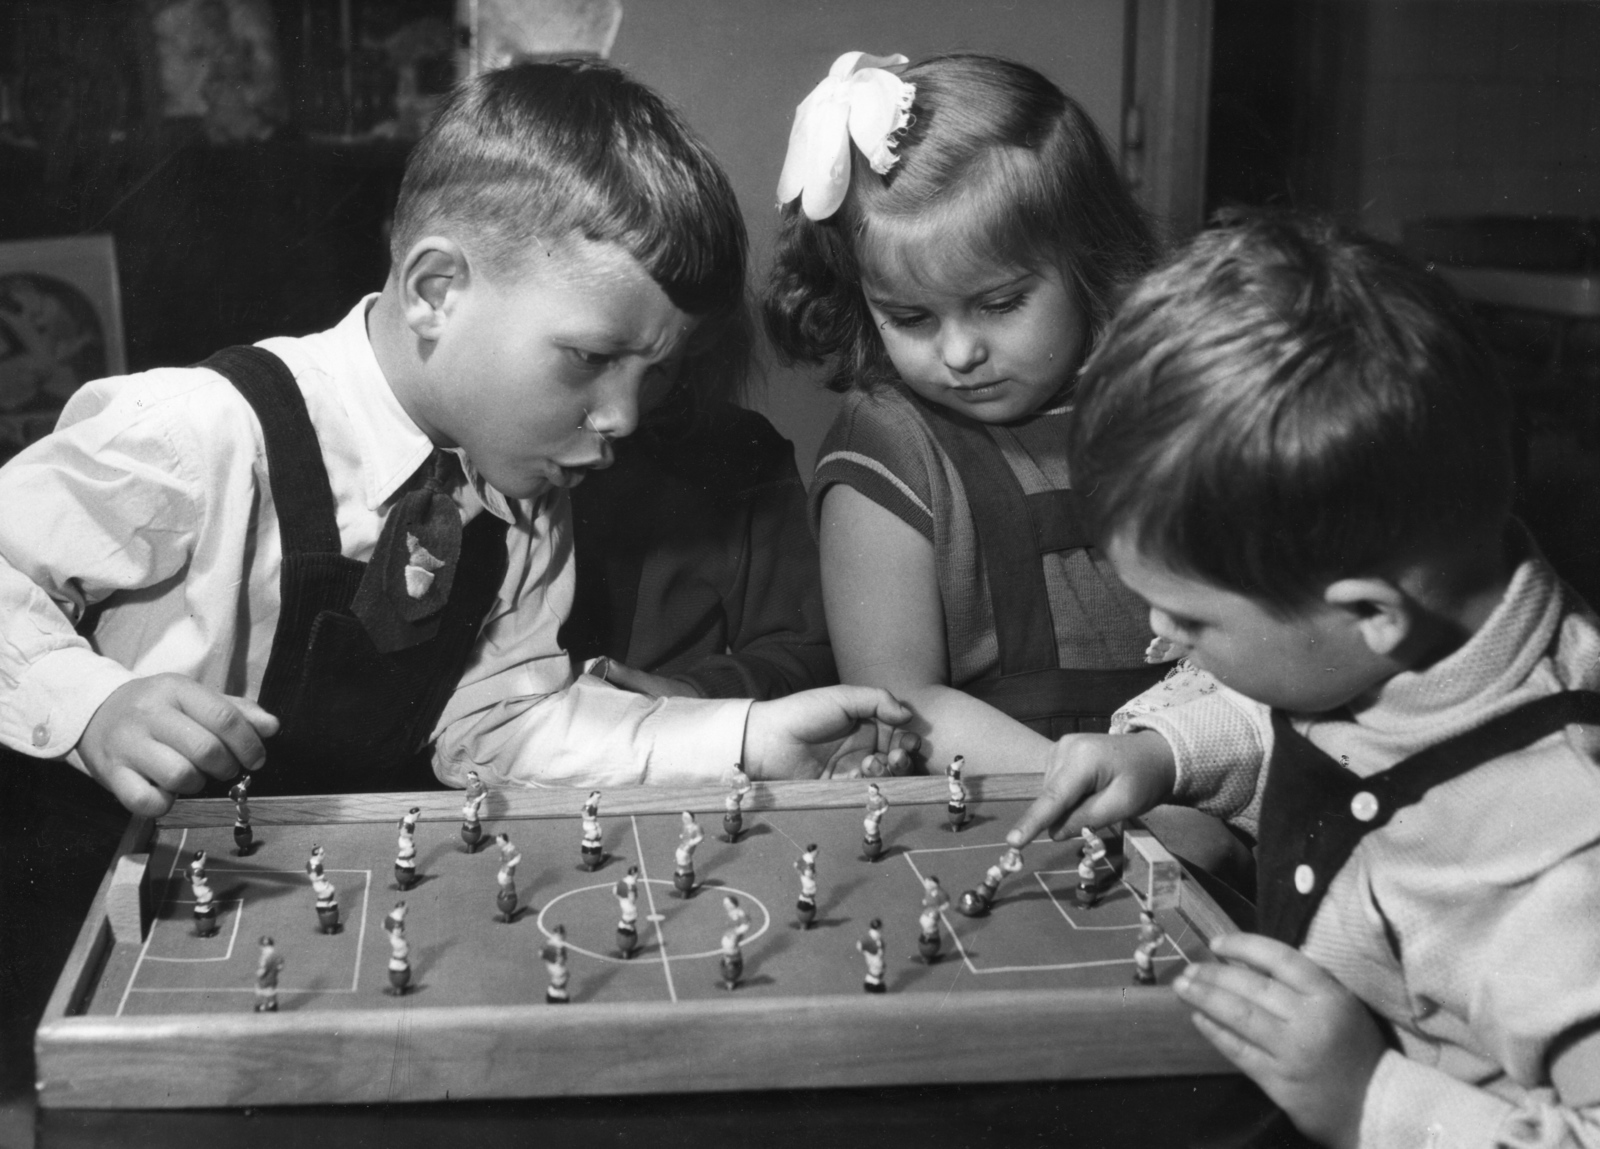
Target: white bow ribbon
858,101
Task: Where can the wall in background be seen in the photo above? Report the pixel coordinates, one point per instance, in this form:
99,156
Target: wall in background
737,68
1491,107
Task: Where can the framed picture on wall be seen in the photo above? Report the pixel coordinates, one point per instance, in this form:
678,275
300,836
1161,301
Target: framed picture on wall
60,326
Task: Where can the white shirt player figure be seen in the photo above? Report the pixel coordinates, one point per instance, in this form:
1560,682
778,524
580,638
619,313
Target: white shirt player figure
505,898
689,837
627,895
957,805
872,950
872,823
593,848
472,810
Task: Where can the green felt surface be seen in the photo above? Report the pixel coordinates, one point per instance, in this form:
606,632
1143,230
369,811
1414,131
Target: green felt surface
1036,937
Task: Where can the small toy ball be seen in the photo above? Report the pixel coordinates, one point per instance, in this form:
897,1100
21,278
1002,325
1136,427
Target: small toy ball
971,904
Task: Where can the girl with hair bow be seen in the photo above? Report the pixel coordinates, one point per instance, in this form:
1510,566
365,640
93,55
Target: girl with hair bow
954,236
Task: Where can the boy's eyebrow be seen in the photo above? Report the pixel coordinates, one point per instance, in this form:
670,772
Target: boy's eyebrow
607,339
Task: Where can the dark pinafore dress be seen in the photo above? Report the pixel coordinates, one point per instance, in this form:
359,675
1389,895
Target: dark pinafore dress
1015,531
353,719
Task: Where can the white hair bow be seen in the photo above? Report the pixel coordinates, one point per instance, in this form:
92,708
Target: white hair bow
858,100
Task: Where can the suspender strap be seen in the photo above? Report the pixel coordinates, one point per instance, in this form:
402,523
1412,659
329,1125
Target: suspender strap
1494,739
1007,544
1315,812
300,488
1058,521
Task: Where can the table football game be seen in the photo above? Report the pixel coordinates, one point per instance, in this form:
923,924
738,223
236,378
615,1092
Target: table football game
149,1014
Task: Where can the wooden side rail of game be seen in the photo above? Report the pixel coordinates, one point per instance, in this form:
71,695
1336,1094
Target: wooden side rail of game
162,1018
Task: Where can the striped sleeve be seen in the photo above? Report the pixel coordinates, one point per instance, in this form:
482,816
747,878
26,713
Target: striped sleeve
879,447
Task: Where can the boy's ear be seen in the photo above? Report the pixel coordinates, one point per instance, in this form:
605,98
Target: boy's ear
1380,610
432,278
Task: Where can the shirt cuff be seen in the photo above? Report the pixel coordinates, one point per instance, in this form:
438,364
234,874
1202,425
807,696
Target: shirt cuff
696,739
1217,752
1409,1103
44,716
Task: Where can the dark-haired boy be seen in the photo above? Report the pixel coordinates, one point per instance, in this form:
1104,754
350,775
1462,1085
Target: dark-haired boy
1300,459
358,546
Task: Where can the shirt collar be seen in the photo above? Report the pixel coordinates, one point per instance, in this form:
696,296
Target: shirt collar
1497,659
391,443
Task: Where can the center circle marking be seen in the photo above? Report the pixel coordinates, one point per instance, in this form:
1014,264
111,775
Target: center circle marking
744,897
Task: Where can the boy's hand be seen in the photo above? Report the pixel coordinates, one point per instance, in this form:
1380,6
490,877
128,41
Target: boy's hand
1096,779
831,732
1305,1039
157,737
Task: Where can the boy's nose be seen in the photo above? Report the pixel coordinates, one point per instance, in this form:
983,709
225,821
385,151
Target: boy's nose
1162,626
615,413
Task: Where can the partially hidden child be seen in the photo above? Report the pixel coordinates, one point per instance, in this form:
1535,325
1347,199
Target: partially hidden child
356,545
954,237
1300,458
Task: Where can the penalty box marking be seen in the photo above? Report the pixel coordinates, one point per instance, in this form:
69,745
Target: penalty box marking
145,955
1038,876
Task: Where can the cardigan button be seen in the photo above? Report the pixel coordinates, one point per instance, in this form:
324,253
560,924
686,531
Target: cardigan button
41,734
1305,879
1364,806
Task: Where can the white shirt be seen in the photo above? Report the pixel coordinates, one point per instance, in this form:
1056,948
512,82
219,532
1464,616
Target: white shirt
155,485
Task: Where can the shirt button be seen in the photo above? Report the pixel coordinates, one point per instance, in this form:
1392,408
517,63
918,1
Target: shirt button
41,734
1305,879
1364,806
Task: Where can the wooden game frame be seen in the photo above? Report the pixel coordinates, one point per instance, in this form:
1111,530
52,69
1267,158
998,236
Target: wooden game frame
423,1054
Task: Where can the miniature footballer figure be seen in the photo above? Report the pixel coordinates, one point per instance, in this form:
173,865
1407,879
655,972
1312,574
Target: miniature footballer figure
399,951
957,806
738,916
472,811
872,824
510,858
268,968
205,906
934,901
1151,935
405,859
554,955
976,903
315,863
395,918
627,893
688,838
871,948
243,836
594,854
732,959
327,895
806,906
733,805
732,940
1090,856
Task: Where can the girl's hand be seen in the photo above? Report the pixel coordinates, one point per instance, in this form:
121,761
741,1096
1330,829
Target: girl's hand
1096,779
1305,1039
